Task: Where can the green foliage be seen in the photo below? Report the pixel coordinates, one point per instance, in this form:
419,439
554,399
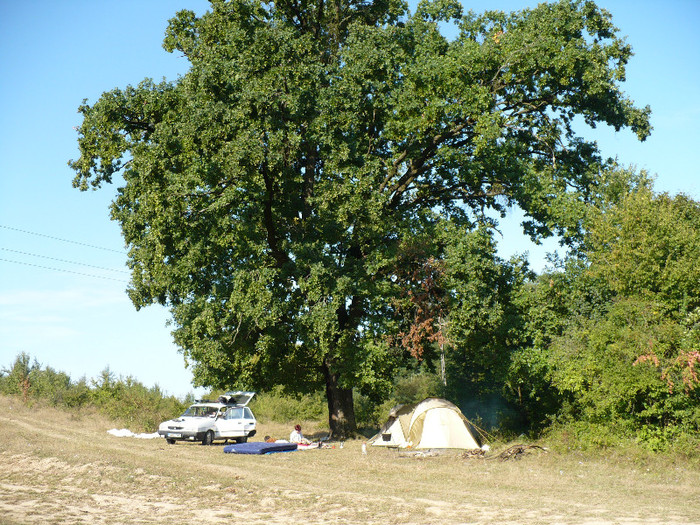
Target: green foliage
124,400
594,363
268,192
369,414
31,381
528,387
414,387
484,323
284,408
614,340
128,401
648,247
411,385
15,380
586,436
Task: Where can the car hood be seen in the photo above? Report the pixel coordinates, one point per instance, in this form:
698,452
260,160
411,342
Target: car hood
187,423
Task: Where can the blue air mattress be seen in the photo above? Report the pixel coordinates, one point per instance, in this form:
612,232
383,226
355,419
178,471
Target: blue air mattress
259,447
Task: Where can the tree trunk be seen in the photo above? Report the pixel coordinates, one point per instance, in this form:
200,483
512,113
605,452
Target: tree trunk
341,410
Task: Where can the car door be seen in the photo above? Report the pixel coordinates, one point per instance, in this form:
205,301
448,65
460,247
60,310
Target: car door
249,422
233,424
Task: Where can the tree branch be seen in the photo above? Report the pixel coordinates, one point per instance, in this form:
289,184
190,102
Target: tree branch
280,257
417,165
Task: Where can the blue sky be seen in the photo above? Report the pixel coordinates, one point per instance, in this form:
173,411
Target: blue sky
76,317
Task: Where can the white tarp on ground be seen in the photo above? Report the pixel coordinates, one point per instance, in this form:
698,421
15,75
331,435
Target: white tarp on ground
123,432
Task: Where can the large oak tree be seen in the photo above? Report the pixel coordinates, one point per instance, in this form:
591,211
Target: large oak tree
270,193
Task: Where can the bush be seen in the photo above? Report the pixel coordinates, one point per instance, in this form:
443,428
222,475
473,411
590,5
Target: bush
15,380
409,388
124,400
130,402
577,435
414,388
281,408
367,413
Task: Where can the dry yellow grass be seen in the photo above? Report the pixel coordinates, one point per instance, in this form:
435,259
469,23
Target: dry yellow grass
59,468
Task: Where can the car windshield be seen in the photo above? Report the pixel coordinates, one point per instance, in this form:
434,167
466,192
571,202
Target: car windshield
200,411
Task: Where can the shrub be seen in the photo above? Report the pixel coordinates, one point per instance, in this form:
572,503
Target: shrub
584,436
283,408
124,400
15,380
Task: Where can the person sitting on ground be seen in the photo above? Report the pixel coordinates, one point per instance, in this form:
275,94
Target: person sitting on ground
297,437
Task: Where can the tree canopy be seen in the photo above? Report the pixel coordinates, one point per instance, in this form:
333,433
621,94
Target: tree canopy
273,195
611,342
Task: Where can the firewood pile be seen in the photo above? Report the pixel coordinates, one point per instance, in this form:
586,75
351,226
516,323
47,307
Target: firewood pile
473,454
517,452
513,452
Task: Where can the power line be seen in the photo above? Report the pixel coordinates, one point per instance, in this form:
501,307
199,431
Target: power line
64,270
64,260
62,240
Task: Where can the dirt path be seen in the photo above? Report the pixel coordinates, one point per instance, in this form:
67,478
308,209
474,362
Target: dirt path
79,474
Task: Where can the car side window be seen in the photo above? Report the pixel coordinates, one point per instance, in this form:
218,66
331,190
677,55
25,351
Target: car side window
234,413
247,413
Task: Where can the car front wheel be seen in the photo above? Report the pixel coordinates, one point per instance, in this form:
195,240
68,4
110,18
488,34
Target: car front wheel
208,438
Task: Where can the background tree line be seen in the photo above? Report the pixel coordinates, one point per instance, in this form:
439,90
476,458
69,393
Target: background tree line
604,344
316,202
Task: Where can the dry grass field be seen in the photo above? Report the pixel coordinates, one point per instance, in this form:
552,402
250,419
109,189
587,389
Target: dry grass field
66,469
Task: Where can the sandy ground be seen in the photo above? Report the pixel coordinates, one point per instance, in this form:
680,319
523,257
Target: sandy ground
79,474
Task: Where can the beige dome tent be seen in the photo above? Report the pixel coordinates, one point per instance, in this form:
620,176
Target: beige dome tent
432,423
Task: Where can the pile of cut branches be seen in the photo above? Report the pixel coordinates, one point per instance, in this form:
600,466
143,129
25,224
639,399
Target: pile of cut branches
472,454
517,452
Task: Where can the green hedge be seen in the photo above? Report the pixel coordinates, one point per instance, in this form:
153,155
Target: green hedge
123,399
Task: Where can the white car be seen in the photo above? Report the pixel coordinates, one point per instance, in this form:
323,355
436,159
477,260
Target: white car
228,418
